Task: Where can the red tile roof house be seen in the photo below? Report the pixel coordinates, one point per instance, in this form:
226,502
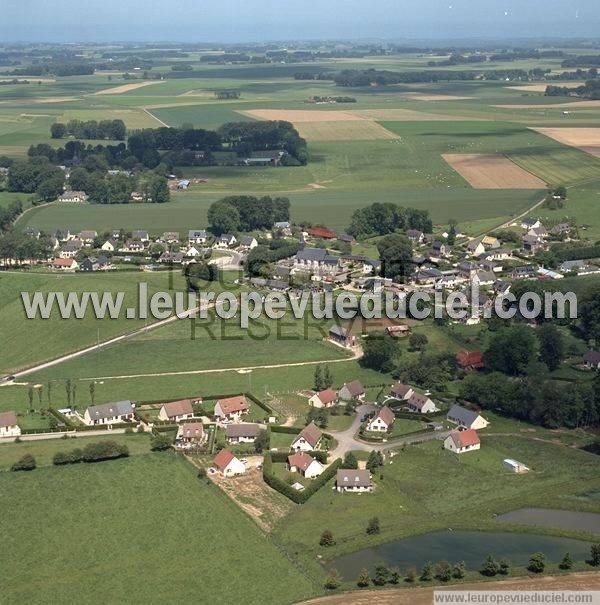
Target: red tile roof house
462,441
65,264
382,421
191,432
8,425
242,433
305,464
321,233
470,360
421,404
352,391
228,465
231,409
401,391
176,411
308,439
324,399
353,480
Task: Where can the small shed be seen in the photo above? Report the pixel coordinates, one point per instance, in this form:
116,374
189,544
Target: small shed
515,466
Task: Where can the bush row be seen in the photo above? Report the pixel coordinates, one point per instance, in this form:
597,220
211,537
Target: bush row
93,452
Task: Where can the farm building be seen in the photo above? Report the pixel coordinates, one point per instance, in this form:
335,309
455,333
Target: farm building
382,421
308,439
305,464
324,399
242,433
341,336
351,391
109,413
515,466
399,331
470,360
176,411
460,442
231,409
466,418
264,158
353,480
228,465
9,426
73,196
321,233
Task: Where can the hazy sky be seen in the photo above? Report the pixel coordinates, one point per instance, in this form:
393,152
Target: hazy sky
263,20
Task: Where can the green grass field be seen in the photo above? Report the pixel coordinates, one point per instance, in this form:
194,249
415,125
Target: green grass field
68,529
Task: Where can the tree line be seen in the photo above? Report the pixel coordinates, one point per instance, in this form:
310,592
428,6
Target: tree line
89,129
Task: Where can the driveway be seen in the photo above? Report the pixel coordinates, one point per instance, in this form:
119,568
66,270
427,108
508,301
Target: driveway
347,440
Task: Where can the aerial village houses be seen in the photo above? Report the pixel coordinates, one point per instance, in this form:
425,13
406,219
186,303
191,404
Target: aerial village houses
466,418
460,442
191,432
305,464
421,404
324,399
242,433
231,409
353,480
9,426
176,411
352,391
382,421
401,391
109,413
308,439
228,465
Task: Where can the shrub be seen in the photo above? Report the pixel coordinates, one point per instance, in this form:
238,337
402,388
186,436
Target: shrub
363,578
411,575
382,575
503,567
201,473
373,526
104,450
537,562
427,572
333,580
26,463
443,571
160,443
459,570
595,555
395,576
490,567
567,561
350,461
327,538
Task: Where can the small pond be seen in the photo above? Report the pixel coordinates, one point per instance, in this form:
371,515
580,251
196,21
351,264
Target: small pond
548,517
472,547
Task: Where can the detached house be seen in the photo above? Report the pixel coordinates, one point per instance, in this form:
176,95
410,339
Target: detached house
109,413
316,260
352,391
65,264
70,248
470,360
305,464
248,242
466,418
197,236
415,236
110,245
308,439
242,433
401,391
382,421
8,425
591,360
228,465
191,432
475,247
141,234
73,196
324,399
421,404
87,237
133,246
462,441
341,336
231,409
353,480
176,411
225,241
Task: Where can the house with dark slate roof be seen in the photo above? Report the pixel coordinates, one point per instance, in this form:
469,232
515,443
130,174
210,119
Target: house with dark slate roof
465,418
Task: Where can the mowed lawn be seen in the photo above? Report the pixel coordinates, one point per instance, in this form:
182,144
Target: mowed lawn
427,488
144,529
27,341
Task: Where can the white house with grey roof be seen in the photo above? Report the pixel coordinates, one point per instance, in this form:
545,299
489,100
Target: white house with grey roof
465,418
316,260
9,426
197,236
109,413
354,480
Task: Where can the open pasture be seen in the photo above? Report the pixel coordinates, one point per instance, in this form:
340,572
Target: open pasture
133,118
118,90
492,172
353,130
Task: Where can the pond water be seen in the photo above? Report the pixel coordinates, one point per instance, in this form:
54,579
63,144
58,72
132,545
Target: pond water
548,517
472,547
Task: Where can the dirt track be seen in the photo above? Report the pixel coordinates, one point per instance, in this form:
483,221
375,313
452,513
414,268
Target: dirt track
424,596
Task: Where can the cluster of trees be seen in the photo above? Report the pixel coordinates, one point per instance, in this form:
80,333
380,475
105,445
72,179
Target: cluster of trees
20,247
374,77
245,137
93,452
36,175
383,218
459,59
8,214
395,253
589,90
582,61
247,213
260,260
89,129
